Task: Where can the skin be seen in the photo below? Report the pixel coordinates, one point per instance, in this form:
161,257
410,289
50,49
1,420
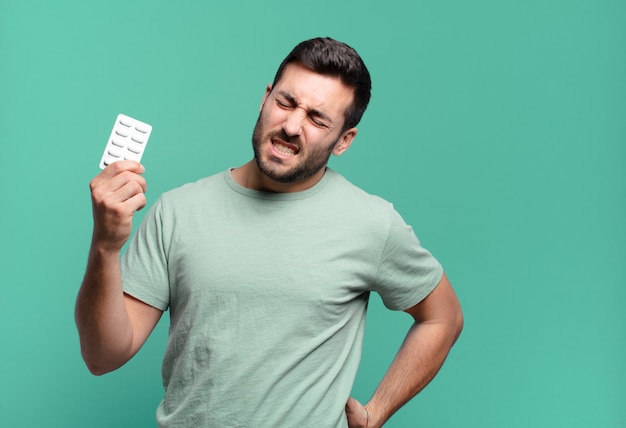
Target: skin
112,326
438,322
300,126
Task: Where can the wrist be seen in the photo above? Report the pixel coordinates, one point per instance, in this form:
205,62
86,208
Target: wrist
105,250
105,244
373,420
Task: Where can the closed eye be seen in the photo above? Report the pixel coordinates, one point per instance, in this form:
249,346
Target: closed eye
318,122
282,104
286,102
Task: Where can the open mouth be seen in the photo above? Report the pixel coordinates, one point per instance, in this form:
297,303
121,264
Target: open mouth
284,148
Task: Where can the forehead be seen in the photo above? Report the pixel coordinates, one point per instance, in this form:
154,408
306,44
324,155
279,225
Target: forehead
315,91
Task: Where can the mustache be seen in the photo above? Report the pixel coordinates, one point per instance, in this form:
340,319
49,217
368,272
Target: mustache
281,135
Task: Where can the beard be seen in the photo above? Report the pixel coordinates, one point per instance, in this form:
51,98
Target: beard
272,166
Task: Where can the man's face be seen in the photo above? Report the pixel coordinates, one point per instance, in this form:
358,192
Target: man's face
300,126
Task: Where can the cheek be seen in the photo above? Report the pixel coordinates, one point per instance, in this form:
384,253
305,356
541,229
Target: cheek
320,139
272,116
319,147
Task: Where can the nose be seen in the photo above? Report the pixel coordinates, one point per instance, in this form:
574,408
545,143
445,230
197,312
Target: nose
293,122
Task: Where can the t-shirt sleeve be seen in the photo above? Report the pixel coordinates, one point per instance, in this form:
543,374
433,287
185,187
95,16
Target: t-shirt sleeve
407,272
144,264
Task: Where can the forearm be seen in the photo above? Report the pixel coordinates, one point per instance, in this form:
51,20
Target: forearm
420,357
103,324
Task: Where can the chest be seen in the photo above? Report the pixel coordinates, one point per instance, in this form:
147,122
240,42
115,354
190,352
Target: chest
276,256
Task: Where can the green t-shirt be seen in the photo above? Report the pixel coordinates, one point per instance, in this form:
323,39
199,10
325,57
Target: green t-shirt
267,294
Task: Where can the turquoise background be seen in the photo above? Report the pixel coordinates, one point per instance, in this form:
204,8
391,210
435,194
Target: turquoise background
497,128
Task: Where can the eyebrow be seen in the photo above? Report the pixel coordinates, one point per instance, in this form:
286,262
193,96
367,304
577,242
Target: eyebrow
311,111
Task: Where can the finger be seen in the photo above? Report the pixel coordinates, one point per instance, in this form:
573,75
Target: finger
351,403
123,179
129,190
125,165
115,169
118,188
113,215
111,208
136,202
356,413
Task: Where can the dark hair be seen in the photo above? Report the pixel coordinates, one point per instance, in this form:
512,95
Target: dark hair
333,58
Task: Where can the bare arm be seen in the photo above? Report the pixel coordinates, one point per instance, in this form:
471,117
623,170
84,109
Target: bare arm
438,323
111,325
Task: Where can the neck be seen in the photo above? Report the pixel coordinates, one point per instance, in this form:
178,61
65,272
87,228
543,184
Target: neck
250,176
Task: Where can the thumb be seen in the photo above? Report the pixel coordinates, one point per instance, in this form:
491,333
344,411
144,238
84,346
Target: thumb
356,414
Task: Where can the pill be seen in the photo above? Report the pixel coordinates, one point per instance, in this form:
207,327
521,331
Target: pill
134,148
125,121
109,160
121,133
138,139
114,152
142,128
118,142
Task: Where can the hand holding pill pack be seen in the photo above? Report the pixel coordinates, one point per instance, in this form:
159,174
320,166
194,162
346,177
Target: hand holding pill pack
127,141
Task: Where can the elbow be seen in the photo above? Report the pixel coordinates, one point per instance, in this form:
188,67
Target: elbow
97,370
98,366
457,324
460,323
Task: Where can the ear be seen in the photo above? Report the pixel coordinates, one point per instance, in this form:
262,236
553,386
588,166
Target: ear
344,141
268,89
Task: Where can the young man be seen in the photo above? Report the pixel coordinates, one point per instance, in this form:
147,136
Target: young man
266,270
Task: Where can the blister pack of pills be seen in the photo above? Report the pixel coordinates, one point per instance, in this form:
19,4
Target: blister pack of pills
127,141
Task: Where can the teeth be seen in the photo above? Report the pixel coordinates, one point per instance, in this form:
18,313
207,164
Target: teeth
284,149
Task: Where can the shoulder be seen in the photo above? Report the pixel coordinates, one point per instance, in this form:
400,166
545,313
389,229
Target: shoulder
195,191
344,191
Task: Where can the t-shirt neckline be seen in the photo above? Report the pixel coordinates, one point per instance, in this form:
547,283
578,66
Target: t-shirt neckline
303,194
